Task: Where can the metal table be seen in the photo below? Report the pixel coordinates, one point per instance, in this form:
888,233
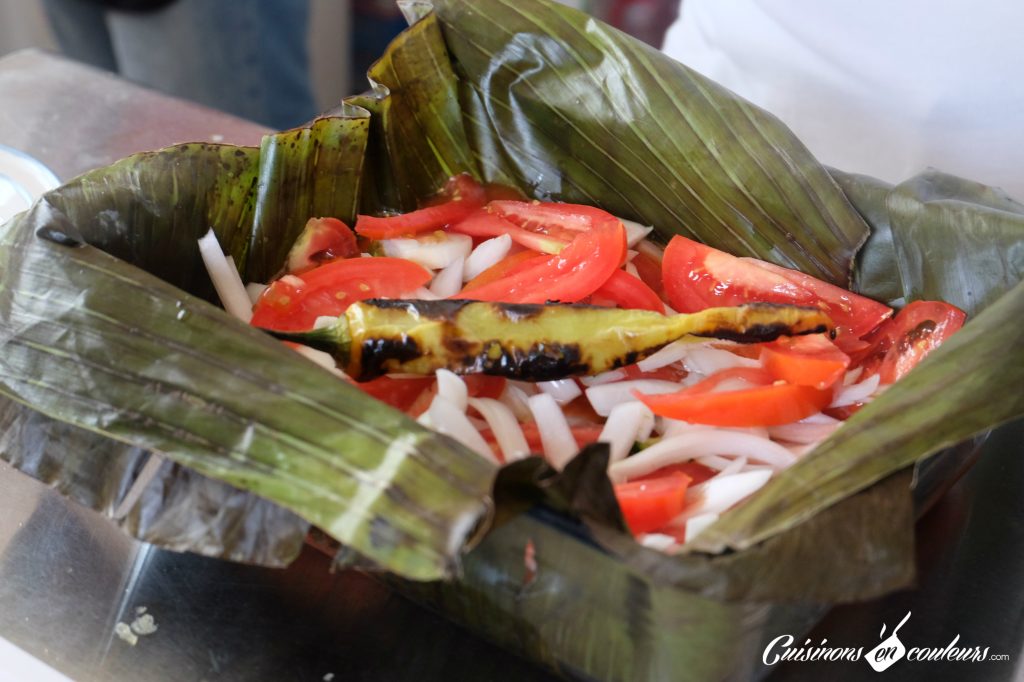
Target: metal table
67,576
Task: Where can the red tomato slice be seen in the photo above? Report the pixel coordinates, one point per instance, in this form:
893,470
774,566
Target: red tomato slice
647,505
575,273
398,393
811,360
322,240
905,340
485,223
855,316
484,386
649,270
628,292
763,405
293,303
698,277
695,471
504,267
463,187
421,220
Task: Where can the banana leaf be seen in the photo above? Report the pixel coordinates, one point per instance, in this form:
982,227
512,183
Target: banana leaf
106,329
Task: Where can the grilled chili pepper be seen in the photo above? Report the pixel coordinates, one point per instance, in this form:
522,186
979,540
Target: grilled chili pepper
527,341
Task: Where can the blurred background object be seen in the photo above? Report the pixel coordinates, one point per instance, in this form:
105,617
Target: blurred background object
276,62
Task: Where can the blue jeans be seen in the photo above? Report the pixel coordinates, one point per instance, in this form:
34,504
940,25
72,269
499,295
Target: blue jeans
246,57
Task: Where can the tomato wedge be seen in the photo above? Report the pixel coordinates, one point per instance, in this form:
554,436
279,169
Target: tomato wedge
697,276
398,393
811,360
766,404
485,223
855,316
293,303
322,240
647,505
504,267
421,220
902,342
575,273
626,291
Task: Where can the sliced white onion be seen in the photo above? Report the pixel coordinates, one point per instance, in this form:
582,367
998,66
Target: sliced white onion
225,278
421,294
516,400
819,418
446,418
324,321
672,353
675,427
701,443
734,467
603,378
801,449
635,232
488,253
448,282
606,396
555,435
802,433
293,281
657,541
504,426
707,360
451,387
716,462
696,524
255,290
623,428
857,393
717,494
434,252
852,376
631,269
562,390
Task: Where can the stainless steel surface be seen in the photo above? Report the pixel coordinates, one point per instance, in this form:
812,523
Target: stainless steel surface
67,576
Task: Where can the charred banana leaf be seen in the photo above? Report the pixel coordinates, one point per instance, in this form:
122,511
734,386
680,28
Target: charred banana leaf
526,341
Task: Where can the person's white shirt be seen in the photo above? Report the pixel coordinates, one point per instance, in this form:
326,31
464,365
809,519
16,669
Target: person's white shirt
882,87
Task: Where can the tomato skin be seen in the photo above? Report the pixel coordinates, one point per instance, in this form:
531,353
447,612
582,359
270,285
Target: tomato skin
398,393
425,219
293,303
649,504
504,267
903,341
697,277
629,292
572,275
322,240
484,386
695,471
855,316
765,404
486,224
649,270
811,360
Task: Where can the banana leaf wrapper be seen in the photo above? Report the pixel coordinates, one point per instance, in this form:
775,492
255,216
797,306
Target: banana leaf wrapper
110,351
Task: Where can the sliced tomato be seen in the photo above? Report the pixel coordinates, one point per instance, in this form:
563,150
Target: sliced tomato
322,240
463,187
649,269
484,223
697,472
421,220
398,393
293,303
626,291
575,273
502,268
854,316
902,342
697,276
484,386
649,504
764,404
811,360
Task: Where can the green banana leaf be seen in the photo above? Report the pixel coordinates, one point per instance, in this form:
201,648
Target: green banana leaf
104,325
